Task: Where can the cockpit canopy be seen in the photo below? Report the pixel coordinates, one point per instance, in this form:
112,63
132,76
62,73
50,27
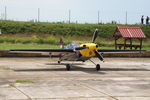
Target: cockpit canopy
73,45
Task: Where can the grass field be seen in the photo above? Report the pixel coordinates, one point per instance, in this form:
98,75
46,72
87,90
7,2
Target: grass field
7,46
25,41
28,41
31,35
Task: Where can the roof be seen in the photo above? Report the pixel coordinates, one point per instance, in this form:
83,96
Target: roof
129,32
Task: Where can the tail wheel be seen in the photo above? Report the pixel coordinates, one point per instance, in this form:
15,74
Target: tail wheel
68,67
98,67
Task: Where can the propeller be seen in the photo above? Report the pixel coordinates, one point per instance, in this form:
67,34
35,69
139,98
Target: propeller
94,35
99,55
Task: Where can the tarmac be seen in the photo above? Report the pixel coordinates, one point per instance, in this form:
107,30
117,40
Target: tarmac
43,79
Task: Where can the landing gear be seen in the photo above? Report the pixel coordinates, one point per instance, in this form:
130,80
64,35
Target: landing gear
59,62
98,67
68,67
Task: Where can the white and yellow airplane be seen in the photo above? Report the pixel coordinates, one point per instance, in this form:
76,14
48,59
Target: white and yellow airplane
78,52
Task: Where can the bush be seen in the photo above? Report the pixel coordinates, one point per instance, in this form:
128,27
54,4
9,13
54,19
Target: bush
62,29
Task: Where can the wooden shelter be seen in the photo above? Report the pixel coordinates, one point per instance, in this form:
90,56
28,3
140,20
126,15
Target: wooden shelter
128,34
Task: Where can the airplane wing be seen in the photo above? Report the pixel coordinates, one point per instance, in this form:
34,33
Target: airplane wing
50,50
72,50
57,52
44,50
114,50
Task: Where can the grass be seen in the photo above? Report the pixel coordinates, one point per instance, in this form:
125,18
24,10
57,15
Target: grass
24,81
46,41
7,46
20,81
54,40
17,38
5,68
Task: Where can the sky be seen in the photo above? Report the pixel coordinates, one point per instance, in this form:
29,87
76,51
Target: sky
81,11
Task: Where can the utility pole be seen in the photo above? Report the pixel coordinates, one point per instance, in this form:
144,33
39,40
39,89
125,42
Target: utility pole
5,13
126,17
38,14
98,17
0,32
69,16
2,16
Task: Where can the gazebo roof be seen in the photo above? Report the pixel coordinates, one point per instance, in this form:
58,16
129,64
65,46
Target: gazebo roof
129,32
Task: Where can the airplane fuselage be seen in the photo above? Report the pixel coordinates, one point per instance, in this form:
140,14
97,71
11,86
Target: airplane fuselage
81,55
90,51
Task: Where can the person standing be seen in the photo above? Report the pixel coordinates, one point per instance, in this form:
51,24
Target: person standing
147,20
142,20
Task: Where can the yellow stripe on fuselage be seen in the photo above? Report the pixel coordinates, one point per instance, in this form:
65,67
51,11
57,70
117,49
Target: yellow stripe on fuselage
90,51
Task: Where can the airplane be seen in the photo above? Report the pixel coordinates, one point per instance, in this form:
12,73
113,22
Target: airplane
78,52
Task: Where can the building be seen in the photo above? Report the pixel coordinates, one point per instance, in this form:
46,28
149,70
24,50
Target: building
128,34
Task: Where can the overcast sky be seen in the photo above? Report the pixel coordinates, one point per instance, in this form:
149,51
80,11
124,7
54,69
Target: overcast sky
81,10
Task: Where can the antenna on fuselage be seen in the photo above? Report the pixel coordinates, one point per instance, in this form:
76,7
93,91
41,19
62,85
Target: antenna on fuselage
94,35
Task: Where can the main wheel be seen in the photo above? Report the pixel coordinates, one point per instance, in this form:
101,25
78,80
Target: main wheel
68,67
58,62
98,67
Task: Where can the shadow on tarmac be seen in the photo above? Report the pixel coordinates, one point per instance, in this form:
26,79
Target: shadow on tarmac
86,70
124,69
65,64
73,68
